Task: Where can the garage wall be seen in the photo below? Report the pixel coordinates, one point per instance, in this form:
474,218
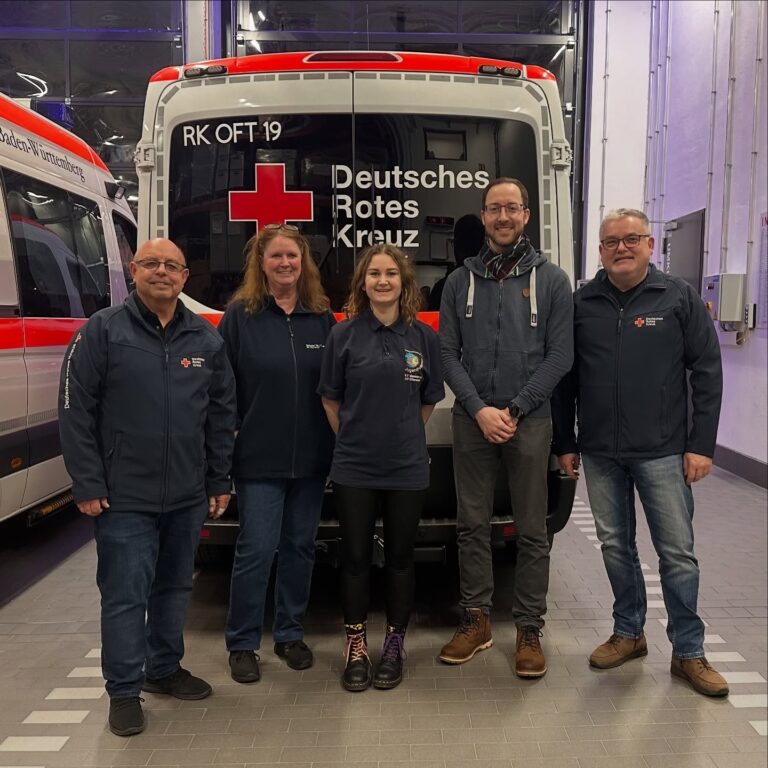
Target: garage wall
663,141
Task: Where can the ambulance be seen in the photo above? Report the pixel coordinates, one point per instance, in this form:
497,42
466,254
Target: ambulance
354,147
66,237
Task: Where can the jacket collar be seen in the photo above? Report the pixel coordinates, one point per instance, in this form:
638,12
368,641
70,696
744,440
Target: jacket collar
272,305
599,285
141,312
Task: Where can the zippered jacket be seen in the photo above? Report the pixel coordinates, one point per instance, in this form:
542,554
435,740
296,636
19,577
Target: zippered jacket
283,429
629,378
500,347
145,421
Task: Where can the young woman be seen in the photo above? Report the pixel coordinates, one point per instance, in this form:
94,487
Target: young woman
275,329
380,380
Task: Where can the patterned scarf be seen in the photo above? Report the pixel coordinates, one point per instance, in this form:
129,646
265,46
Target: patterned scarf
502,265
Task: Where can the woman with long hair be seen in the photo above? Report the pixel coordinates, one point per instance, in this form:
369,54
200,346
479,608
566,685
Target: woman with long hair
275,329
380,381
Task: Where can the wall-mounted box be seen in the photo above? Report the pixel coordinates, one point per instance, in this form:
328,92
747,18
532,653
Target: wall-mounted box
723,296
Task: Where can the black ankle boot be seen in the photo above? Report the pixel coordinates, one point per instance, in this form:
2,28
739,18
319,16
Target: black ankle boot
389,670
357,672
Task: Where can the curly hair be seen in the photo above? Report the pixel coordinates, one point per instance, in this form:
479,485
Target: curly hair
253,290
410,296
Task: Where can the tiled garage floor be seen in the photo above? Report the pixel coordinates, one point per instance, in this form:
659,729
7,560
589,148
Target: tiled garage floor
52,705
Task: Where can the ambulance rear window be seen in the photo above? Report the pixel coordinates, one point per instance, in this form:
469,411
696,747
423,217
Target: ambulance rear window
346,180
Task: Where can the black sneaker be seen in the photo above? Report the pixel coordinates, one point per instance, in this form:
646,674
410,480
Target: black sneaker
180,684
125,716
244,666
296,654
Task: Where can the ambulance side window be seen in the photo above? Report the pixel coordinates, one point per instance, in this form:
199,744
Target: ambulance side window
59,247
126,244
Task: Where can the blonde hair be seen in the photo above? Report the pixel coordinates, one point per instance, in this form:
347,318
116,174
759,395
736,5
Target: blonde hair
253,291
410,296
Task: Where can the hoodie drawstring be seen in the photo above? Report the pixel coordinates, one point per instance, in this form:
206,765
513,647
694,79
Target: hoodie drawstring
531,289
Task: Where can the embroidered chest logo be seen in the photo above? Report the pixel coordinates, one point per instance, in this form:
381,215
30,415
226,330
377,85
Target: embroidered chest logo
315,346
195,362
648,322
414,365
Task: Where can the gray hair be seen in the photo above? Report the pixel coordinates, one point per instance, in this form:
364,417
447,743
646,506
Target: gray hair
623,213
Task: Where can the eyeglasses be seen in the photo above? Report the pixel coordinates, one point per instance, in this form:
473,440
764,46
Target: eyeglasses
510,208
630,241
154,264
289,227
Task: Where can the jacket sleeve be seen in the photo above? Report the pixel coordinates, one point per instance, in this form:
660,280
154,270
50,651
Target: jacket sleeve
220,426
229,330
702,358
454,373
432,389
82,377
564,414
558,348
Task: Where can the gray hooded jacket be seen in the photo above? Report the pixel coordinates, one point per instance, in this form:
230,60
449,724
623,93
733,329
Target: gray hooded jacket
506,342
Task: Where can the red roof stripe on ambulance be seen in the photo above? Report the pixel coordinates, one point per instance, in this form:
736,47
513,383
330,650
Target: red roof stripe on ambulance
48,131
409,62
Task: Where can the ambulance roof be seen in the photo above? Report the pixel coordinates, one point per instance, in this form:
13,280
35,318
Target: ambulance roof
39,126
398,61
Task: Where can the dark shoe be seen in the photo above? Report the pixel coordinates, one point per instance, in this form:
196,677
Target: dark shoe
181,684
244,666
389,670
296,654
125,716
357,672
529,657
618,649
472,635
701,675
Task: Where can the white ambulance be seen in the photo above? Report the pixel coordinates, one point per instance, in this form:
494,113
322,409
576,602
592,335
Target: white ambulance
355,148
66,236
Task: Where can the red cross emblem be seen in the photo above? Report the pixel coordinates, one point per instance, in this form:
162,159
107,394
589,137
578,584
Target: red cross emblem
186,362
639,322
270,202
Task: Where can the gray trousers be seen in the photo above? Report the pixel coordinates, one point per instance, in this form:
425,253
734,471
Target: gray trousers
475,465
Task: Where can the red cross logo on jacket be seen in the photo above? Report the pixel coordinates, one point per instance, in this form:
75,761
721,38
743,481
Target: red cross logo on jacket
639,322
270,202
186,362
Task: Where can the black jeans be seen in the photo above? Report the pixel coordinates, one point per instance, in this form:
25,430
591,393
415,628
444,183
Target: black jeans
400,511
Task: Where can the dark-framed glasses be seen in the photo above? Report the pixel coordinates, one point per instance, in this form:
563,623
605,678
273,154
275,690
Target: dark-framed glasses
630,241
510,208
289,227
152,265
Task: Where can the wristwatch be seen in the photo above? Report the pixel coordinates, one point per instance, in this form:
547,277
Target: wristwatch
516,412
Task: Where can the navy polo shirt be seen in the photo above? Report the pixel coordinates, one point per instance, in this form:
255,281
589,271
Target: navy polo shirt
382,375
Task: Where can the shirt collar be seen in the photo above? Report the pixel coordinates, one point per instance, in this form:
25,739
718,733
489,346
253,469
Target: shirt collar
150,316
399,326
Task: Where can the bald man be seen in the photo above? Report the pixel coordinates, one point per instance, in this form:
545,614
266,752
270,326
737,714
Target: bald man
147,420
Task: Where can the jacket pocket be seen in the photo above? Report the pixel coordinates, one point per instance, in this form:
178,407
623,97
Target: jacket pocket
136,472
644,418
597,423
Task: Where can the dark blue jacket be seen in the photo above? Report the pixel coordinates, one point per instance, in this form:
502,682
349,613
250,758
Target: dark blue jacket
630,373
276,358
147,420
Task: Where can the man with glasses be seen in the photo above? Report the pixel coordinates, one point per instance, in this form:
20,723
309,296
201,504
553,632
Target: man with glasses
639,336
147,420
506,337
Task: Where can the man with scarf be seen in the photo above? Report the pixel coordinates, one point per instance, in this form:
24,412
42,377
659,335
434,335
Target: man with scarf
506,333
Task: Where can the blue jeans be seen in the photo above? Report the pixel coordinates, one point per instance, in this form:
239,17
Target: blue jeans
668,505
274,514
144,574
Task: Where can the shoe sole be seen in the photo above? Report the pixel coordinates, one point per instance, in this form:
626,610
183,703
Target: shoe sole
183,696
245,679
624,660
386,685
719,693
127,731
453,660
297,667
531,674
356,688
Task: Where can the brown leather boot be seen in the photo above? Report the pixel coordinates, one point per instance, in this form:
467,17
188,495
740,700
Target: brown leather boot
616,650
472,635
529,657
700,674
